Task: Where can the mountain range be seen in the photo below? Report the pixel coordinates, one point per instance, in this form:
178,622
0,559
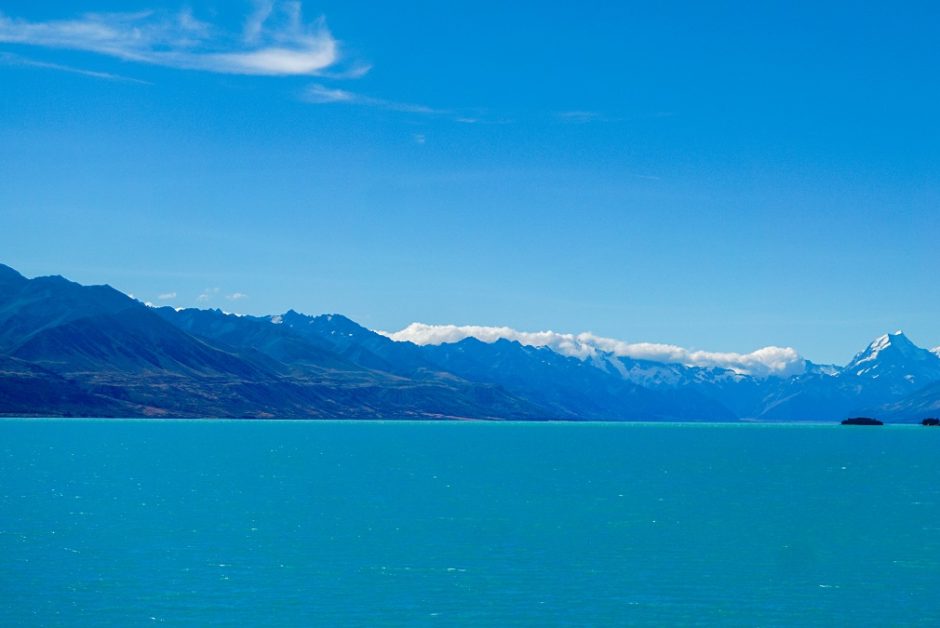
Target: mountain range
73,350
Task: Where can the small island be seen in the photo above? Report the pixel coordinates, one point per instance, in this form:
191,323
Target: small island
930,422
862,420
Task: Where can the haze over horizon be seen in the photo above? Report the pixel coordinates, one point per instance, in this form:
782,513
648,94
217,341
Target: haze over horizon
723,178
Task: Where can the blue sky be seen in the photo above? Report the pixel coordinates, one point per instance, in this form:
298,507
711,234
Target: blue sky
722,176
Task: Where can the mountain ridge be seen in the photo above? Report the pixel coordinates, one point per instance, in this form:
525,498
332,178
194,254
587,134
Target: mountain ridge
68,349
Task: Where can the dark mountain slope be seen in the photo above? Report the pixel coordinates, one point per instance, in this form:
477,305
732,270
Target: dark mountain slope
132,341
32,306
93,350
357,344
28,390
251,335
911,408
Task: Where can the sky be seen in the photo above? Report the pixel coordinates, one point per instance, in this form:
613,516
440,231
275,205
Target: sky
720,176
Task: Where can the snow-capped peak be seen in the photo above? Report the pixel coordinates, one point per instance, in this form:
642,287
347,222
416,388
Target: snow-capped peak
895,356
897,341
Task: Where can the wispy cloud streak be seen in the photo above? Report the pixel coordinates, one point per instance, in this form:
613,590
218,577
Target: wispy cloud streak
321,94
275,40
7,58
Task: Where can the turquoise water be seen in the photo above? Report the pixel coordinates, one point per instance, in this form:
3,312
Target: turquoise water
130,523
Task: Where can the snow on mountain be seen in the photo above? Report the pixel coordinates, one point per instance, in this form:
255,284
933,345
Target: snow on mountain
895,356
895,364
823,369
765,362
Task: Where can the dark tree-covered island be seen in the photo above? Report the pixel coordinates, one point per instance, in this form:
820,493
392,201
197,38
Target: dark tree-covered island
862,420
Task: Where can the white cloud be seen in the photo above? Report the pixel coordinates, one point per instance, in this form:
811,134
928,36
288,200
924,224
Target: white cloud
255,21
358,70
207,295
236,296
275,40
780,361
320,95
166,296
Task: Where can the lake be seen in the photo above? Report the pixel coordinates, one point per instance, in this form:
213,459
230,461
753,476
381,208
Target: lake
126,523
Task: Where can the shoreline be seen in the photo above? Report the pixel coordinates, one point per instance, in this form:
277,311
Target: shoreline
204,420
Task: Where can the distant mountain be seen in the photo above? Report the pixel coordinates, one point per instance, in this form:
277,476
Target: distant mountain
922,403
896,363
570,387
875,382
73,350
355,343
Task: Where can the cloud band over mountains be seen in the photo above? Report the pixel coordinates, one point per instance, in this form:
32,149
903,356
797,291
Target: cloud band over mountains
777,361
